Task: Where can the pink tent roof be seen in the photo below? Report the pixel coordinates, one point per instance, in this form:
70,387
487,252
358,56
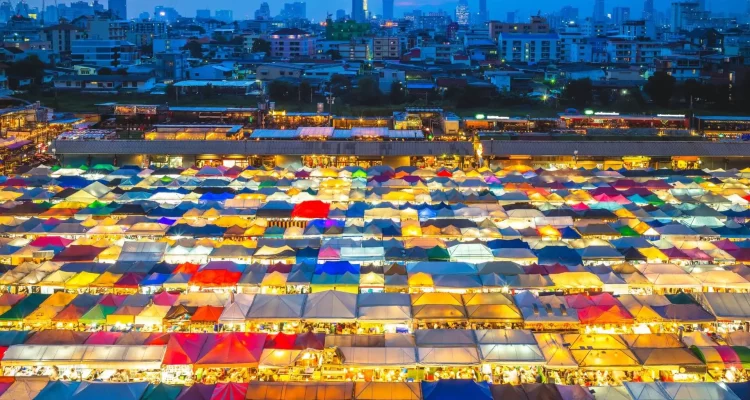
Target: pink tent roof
726,245
55,241
9,299
113,300
329,253
166,298
230,391
579,207
578,301
604,299
697,254
103,338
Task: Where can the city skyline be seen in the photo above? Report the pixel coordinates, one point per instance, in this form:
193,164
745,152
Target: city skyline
318,9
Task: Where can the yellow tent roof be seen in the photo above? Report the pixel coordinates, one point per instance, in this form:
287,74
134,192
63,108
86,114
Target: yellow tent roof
81,280
652,253
420,279
275,278
107,279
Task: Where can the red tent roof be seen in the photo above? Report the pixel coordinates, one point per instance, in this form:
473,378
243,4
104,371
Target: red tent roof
604,315
207,314
129,280
9,299
157,339
70,313
311,209
77,253
186,268
113,300
215,277
184,348
105,338
232,349
280,341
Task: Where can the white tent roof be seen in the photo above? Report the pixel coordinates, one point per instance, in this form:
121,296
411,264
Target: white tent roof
330,305
142,251
271,307
379,356
120,357
383,307
438,356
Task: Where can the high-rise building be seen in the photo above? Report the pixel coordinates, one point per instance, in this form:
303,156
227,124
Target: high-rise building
462,12
650,18
118,8
264,12
484,15
599,14
388,9
143,16
620,15
203,14
224,15
569,14
296,10
359,10
340,14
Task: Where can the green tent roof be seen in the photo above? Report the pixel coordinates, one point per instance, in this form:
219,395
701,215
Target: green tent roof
744,354
360,173
98,314
162,391
24,308
438,253
627,231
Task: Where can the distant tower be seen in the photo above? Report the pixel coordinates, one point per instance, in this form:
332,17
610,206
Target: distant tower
388,9
462,12
599,15
650,18
118,8
484,16
359,10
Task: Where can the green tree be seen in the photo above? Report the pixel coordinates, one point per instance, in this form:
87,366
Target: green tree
335,54
305,92
29,67
280,90
398,93
660,87
367,92
261,45
195,49
579,92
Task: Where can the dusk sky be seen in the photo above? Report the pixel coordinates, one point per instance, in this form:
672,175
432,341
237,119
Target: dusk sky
316,9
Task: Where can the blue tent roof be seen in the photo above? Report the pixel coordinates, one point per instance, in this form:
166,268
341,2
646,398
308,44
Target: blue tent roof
56,390
451,389
558,254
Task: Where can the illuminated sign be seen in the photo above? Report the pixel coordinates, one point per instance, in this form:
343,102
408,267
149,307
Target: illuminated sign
479,116
606,113
671,115
496,117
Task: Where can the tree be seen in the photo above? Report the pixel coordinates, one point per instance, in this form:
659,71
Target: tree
305,92
367,92
335,54
105,71
579,92
397,95
280,90
195,49
261,46
660,87
147,50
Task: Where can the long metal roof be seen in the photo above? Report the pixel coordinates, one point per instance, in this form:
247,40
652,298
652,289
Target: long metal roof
406,148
